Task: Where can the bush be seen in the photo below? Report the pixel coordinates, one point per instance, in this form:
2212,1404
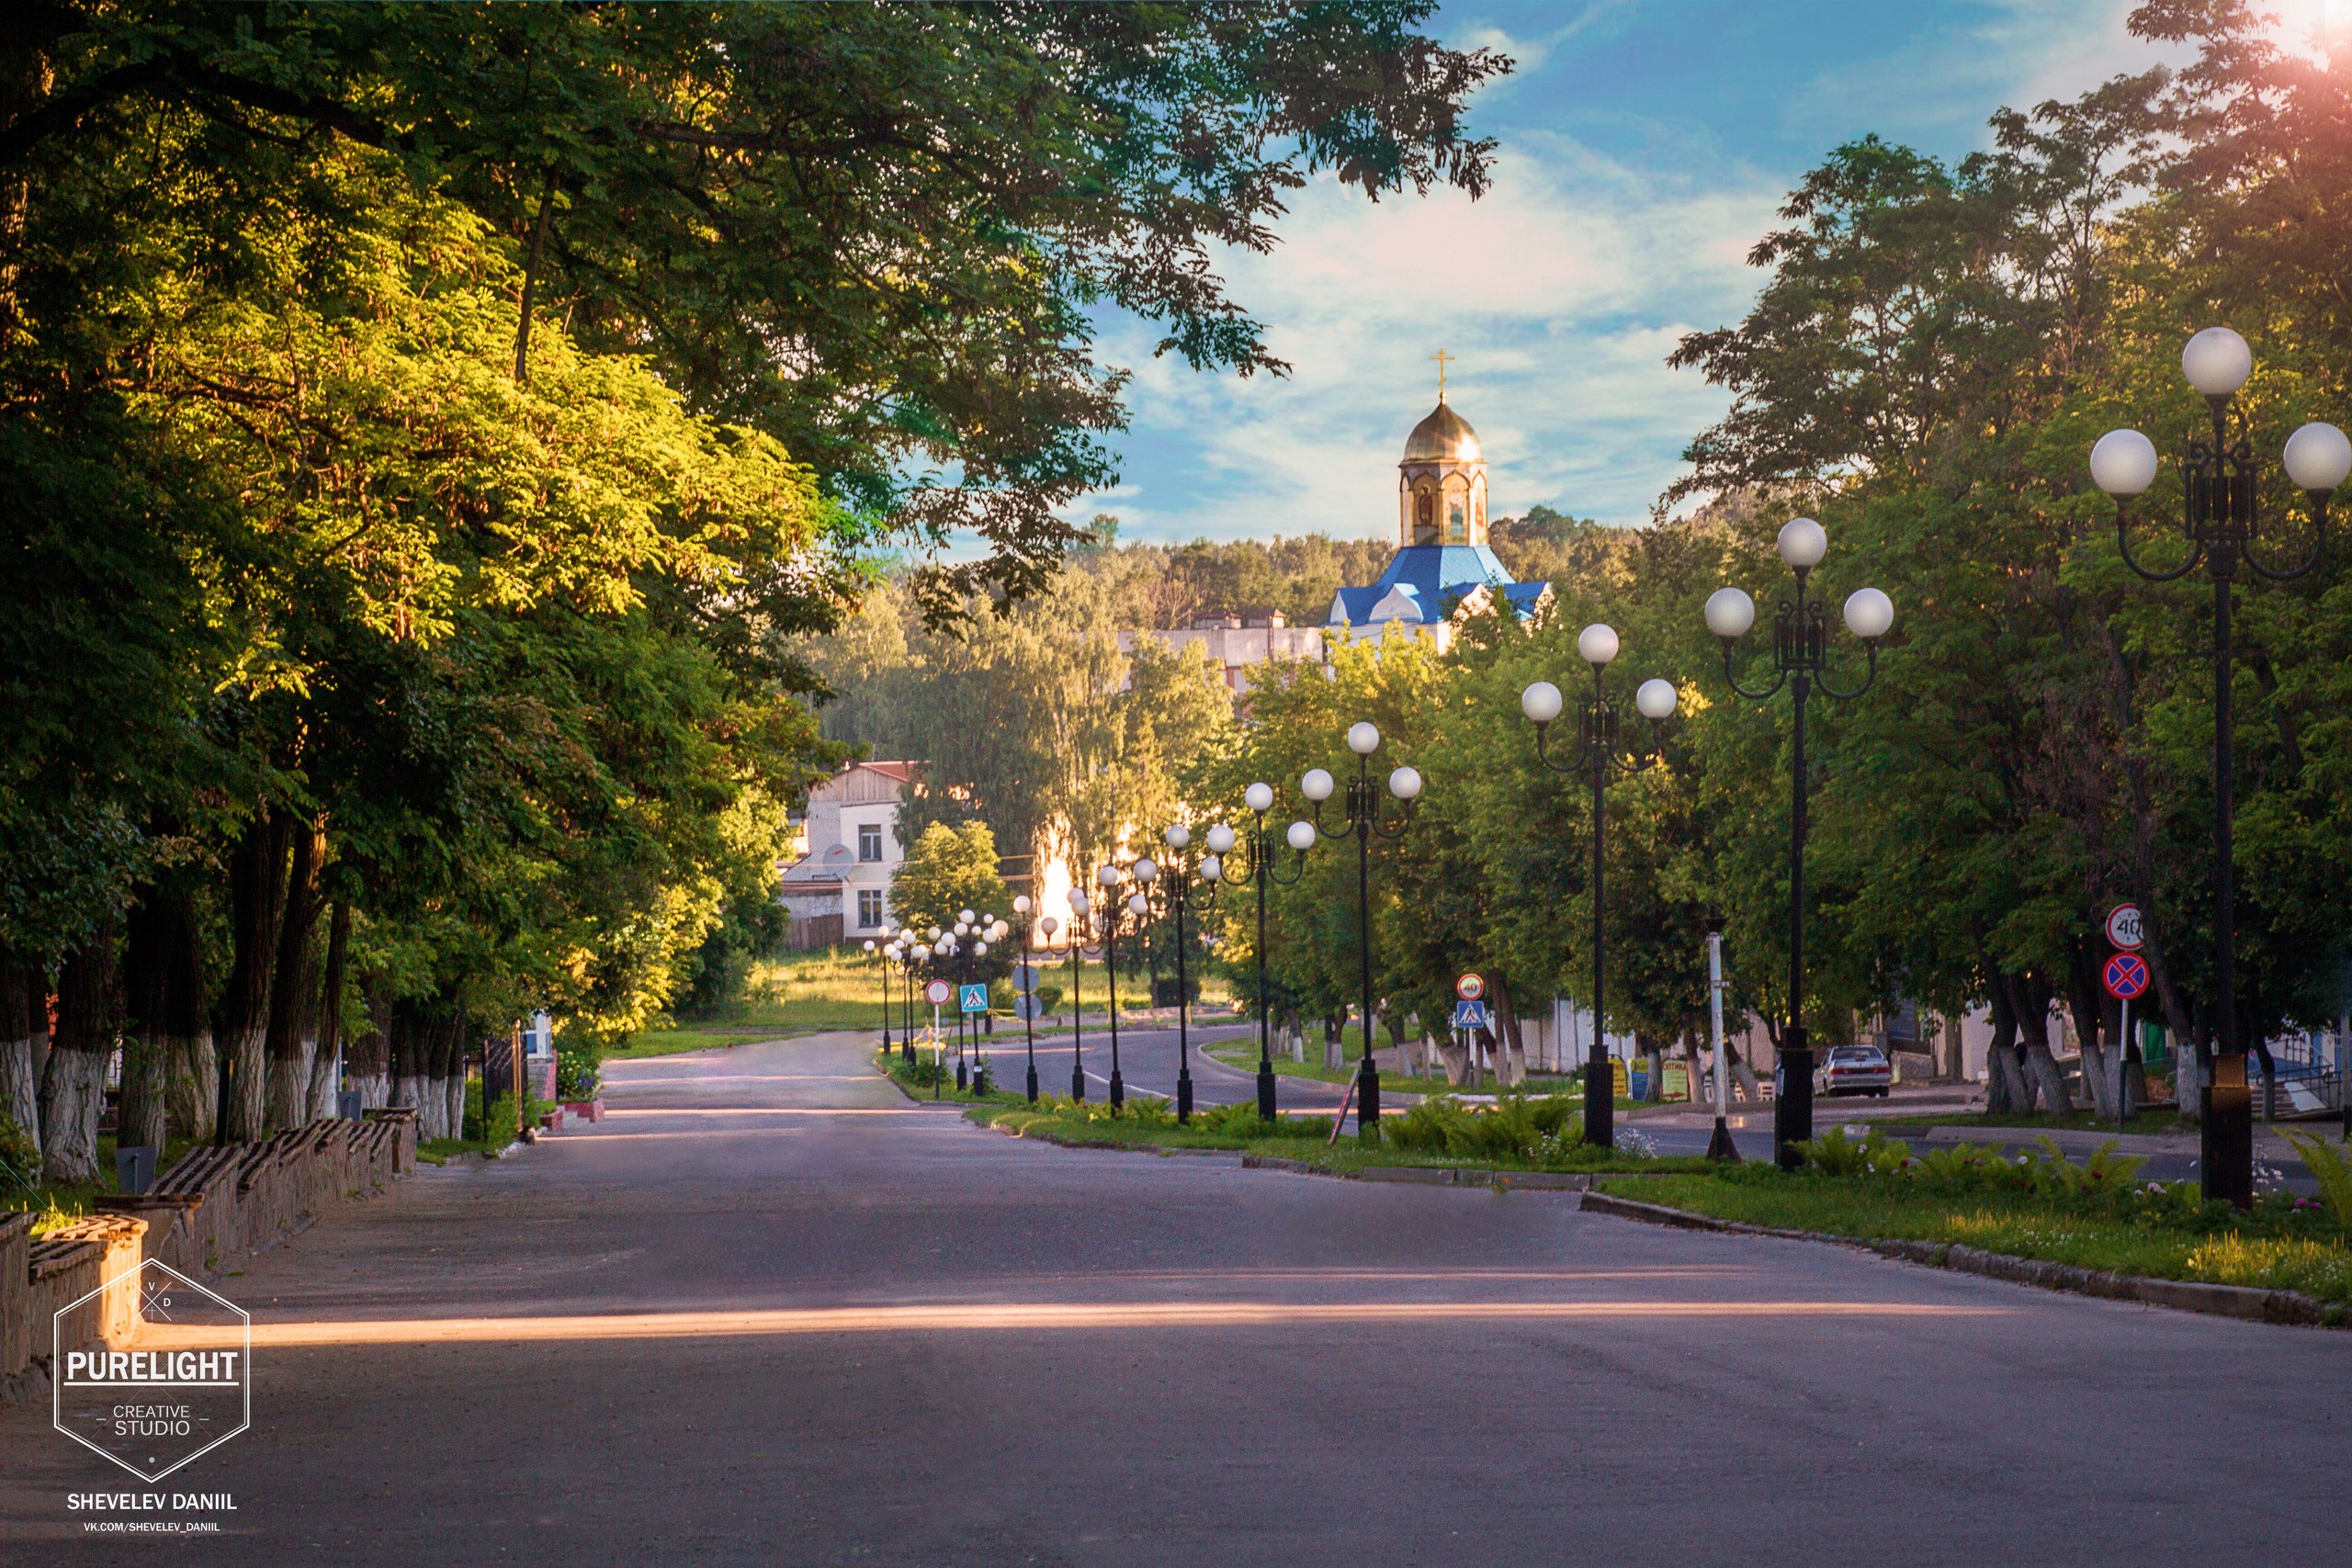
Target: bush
1518,1127
1049,996
19,1157
2328,1168
578,1073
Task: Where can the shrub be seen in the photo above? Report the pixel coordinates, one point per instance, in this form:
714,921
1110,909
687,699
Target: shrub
1049,996
1516,1127
2329,1168
578,1074
1834,1154
19,1157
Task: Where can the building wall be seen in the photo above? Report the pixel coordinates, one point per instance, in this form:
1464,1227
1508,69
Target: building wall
821,890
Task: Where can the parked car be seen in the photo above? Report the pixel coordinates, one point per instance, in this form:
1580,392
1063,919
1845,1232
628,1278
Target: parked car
1853,1069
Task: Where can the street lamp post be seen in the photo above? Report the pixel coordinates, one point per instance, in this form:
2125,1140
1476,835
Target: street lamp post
1261,870
1599,756
1364,822
1109,877
2220,517
1801,662
1181,895
1028,1003
873,950
1078,906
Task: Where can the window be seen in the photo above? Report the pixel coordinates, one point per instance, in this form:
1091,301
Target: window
1456,532
869,908
869,842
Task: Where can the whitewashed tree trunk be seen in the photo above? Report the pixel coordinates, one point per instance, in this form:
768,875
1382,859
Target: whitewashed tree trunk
323,1087
73,1087
375,1089
289,1087
453,1100
194,1089
20,1083
2099,1074
1456,1060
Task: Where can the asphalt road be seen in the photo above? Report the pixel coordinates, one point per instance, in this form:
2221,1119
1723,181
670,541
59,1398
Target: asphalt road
771,1313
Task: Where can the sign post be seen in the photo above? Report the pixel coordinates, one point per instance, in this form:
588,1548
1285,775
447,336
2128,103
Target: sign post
2125,977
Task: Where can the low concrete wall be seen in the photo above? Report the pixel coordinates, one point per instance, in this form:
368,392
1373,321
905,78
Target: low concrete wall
219,1204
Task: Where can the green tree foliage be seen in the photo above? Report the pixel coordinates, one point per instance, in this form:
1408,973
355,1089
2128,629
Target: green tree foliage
947,871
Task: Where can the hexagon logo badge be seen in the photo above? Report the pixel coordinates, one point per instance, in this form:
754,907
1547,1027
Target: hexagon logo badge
170,1380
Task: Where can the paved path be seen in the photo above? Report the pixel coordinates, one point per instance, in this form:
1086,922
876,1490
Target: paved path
771,1313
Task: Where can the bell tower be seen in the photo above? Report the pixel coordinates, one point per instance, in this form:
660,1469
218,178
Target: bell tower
1441,479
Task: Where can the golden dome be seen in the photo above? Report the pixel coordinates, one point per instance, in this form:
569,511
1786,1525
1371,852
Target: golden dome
1443,437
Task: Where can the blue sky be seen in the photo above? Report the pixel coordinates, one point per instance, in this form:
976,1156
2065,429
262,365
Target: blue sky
1645,144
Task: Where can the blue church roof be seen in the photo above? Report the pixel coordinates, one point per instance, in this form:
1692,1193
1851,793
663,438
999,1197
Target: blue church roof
1433,578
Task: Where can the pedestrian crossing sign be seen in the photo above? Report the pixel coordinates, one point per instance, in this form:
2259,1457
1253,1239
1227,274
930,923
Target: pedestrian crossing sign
1469,1015
976,999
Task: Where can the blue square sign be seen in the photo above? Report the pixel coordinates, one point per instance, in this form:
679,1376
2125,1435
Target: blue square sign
976,999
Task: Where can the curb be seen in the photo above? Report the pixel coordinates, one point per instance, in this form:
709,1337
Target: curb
2247,1303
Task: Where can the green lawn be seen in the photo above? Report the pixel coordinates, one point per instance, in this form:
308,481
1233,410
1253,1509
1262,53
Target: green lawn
809,993
2173,1239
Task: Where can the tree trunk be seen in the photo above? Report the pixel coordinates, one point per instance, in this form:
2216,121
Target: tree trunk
149,938
1510,1050
292,1039
408,1058
1334,1044
329,1044
1654,1059
1743,1076
24,1035
257,898
2006,1090
2033,1028
368,1067
74,1083
2083,1002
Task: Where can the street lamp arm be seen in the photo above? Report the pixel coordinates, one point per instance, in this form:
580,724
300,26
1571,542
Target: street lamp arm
2123,546
1575,764
1870,674
2319,548
1780,679
1392,828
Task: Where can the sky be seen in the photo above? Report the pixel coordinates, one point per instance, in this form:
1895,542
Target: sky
1644,147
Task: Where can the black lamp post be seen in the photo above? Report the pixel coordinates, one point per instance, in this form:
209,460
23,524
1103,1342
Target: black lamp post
1181,895
1258,869
1599,756
873,950
1078,906
1801,662
1109,878
2220,517
1020,907
1365,821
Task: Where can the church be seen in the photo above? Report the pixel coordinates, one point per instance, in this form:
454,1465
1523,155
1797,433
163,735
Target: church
1444,569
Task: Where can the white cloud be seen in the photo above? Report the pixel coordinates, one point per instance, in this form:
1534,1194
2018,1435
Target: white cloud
1560,294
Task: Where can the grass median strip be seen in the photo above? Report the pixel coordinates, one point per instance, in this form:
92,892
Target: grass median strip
2037,1206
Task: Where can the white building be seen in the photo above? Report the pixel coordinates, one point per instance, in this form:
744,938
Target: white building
839,890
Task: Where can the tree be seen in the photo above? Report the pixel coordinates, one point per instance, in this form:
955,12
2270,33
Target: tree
949,870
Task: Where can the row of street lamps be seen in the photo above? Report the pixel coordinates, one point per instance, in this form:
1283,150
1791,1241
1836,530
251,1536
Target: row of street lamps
2221,520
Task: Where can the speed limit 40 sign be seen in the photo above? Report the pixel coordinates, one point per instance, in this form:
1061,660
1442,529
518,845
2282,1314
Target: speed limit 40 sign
2123,926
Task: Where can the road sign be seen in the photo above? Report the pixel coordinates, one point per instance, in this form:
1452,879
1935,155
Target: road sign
1027,1006
1470,987
976,999
2123,926
1469,1013
1026,977
939,993
2126,976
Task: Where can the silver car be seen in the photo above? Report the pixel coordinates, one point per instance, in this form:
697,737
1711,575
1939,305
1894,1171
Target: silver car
1853,1069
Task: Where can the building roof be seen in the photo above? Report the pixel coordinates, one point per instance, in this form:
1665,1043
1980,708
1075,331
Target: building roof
1443,437
1425,583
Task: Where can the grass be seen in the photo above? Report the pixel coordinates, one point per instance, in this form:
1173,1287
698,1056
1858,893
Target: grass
60,1204
1148,1122
2280,1245
841,988
1244,1053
